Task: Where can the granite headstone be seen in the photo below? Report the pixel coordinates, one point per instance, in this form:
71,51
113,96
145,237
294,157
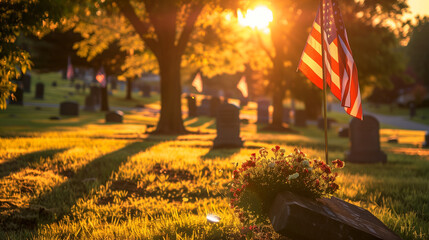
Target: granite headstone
365,141
426,143
40,91
300,118
26,81
90,103
204,108
263,114
69,108
343,132
228,127
192,106
115,117
214,106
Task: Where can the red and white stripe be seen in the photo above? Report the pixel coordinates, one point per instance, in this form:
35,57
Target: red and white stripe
340,68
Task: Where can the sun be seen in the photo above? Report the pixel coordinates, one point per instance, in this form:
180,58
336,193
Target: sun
258,18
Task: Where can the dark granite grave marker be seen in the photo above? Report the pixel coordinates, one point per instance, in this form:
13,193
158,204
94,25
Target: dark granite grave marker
114,117
298,217
26,81
214,106
69,108
343,132
146,90
89,103
228,127
300,118
40,91
263,112
426,143
192,106
19,97
244,102
95,91
365,141
321,122
54,84
286,115
204,108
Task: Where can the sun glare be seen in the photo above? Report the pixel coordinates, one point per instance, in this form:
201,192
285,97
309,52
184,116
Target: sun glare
258,18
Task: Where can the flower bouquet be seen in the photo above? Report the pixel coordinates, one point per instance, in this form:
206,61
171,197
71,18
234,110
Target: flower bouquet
257,181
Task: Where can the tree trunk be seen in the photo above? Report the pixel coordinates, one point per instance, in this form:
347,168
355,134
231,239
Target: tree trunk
170,121
278,92
104,99
129,89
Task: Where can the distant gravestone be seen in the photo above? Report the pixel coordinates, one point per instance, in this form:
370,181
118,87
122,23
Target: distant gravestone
299,217
214,106
114,117
77,87
244,102
204,108
26,81
300,118
95,91
54,84
40,91
89,103
228,127
343,132
286,115
113,83
412,110
365,141
321,123
19,97
192,106
146,90
69,108
263,115
426,143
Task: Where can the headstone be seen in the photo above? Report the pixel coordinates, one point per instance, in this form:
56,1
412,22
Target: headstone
214,106
77,87
204,108
69,108
300,118
321,123
113,83
244,102
114,117
263,114
26,80
192,106
286,115
343,132
299,217
54,84
90,103
19,97
95,91
426,143
146,90
412,110
365,141
40,91
228,127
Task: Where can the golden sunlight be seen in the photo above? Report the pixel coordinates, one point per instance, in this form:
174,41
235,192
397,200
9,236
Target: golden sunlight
259,18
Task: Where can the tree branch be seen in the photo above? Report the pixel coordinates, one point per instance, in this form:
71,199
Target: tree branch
264,47
189,26
141,27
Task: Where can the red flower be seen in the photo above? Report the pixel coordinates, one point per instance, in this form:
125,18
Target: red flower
334,187
325,168
338,163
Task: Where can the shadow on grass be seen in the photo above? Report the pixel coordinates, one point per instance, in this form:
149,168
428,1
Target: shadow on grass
220,153
15,164
53,205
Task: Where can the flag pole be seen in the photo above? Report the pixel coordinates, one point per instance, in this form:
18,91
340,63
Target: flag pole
325,118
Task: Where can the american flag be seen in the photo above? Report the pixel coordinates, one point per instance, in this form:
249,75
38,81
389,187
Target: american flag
70,72
340,68
198,82
242,86
101,77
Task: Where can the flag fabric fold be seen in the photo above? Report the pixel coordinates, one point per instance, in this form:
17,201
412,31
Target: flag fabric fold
242,86
340,68
101,77
70,72
197,83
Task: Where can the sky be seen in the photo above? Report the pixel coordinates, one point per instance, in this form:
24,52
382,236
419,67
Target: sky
419,7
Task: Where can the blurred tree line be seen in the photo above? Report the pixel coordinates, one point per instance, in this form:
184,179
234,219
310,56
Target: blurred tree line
176,38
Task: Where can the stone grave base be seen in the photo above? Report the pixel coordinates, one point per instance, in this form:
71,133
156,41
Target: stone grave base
227,143
365,157
298,217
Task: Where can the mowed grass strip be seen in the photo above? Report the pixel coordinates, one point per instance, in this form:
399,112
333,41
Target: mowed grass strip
93,180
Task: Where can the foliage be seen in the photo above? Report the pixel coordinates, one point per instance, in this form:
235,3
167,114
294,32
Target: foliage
16,18
257,182
418,49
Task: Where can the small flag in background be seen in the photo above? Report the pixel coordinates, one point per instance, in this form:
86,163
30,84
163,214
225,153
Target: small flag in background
70,72
340,68
242,86
198,82
101,77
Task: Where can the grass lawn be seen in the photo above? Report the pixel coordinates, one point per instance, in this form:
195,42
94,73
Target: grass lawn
79,178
